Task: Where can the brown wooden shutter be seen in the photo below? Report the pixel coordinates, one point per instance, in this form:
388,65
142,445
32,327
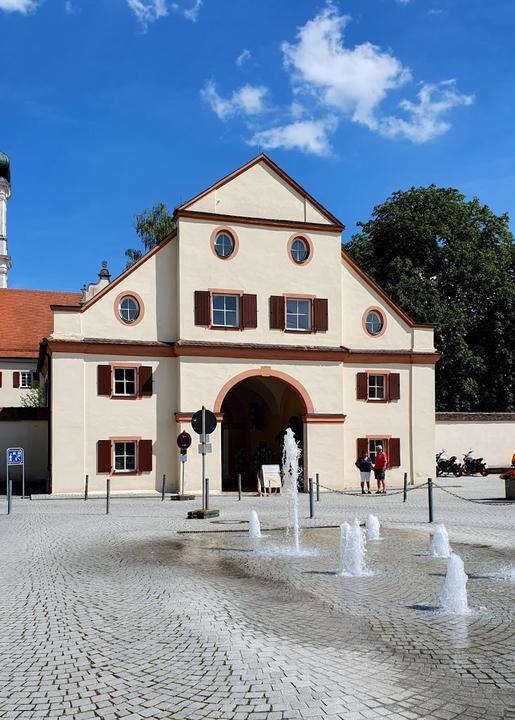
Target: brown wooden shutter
277,312
145,381
0,379
361,386
362,445
104,456
16,379
394,454
394,386
35,379
104,380
145,455
248,311
202,307
320,315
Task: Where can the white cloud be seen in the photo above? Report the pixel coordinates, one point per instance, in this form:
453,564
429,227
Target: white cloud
352,81
147,11
309,136
425,120
243,57
22,6
192,13
248,100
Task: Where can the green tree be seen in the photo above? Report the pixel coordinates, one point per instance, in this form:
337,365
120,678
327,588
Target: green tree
152,226
35,397
450,261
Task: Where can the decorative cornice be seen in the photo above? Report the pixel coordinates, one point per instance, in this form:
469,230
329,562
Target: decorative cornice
474,417
260,222
324,418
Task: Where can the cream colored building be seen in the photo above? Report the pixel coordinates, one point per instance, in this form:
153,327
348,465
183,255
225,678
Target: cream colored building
250,308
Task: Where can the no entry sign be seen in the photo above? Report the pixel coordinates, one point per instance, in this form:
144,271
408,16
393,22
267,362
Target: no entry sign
184,440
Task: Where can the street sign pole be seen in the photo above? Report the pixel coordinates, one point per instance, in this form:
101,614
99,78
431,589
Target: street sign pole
203,442
204,422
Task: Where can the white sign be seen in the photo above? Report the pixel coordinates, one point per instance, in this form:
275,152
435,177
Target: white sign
205,448
271,476
15,456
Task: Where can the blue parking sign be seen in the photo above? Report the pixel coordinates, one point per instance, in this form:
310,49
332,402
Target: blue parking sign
15,456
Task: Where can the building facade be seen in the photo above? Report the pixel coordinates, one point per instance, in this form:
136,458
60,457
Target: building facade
250,308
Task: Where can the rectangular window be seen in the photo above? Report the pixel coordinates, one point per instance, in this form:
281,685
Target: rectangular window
25,379
124,457
298,314
376,387
225,311
124,381
372,448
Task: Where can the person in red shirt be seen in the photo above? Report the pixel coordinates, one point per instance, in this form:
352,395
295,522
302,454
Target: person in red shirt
380,465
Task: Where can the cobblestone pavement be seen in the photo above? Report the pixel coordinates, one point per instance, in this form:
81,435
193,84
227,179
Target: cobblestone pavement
139,615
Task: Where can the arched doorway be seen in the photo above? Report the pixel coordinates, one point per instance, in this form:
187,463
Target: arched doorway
256,411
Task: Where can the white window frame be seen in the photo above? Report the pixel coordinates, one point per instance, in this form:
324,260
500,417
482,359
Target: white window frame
372,447
372,384
23,376
297,314
125,381
306,250
125,455
231,241
381,320
225,311
128,297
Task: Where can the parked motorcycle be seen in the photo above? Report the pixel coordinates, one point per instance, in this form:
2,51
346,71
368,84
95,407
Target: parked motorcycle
446,466
472,465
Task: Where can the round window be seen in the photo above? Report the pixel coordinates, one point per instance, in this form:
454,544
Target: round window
224,245
299,250
374,322
129,309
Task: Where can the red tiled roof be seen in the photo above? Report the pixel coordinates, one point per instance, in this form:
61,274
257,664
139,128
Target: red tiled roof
25,318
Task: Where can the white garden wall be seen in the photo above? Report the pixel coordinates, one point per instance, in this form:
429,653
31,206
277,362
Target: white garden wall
490,435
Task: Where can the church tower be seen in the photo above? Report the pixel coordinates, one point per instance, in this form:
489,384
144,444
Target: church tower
5,192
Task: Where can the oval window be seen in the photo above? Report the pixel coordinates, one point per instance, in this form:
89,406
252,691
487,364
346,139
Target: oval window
374,322
224,245
129,309
299,250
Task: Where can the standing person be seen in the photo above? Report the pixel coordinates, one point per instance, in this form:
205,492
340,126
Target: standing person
364,465
380,465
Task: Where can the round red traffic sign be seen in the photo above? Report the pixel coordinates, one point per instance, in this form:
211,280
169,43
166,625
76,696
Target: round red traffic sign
184,440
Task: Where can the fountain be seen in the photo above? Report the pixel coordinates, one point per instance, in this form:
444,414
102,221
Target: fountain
254,525
291,457
344,529
453,597
373,527
353,551
439,546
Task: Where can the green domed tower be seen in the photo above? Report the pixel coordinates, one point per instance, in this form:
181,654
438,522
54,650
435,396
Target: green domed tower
5,192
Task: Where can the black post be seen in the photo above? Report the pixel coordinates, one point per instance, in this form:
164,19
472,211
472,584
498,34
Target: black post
108,494
9,495
163,488
239,486
405,494
430,498
318,486
311,503
86,484
207,493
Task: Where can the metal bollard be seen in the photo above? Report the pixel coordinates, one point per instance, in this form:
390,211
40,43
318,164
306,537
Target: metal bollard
207,494
163,482
405,493
108,494
86,484
239,486
9,495
311,503
318,486
430,498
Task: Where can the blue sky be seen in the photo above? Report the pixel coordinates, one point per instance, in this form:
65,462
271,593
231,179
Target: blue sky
109,106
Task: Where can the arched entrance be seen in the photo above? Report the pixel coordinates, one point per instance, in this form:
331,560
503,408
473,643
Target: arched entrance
256,411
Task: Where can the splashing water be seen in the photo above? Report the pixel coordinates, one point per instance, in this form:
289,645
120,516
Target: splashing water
344,529
291,457
353,555
453,597
373,527
439,546
254,525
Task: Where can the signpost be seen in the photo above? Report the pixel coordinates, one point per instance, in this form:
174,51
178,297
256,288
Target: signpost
16,456
203,423
183,443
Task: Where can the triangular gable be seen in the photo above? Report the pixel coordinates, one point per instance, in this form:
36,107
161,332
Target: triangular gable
260,189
